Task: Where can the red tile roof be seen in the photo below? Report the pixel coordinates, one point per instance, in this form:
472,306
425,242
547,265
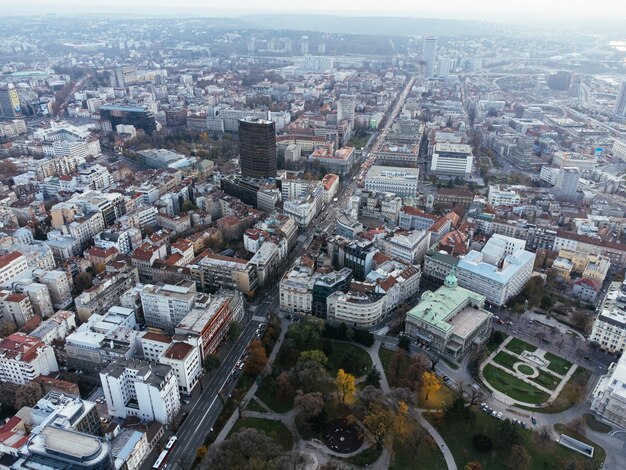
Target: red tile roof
7,259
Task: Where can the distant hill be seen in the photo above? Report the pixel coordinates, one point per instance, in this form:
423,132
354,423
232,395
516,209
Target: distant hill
377,25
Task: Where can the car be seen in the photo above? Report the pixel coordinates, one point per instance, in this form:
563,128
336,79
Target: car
445,378
499,415
533,420
500,322
510,323
494,413
496,317
531,321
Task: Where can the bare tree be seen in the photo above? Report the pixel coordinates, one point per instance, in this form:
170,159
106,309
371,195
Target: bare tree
545,435
578,424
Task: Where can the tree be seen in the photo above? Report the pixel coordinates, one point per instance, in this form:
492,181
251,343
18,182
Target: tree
373,377
404,342
381,423
188,206
82,281
545,435
306,335
547,302
7,328
309,376
309,404
346,387
211,362
482,443
475,465
520,458
577,424
314,355
472,395
434,357
201,452
28,394
284,389
257,360
247,448
430,383
234,330
508,434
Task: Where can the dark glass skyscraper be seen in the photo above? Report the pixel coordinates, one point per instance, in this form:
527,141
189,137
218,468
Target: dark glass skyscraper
257,147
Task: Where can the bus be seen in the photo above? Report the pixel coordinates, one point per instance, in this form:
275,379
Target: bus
160,462
170,443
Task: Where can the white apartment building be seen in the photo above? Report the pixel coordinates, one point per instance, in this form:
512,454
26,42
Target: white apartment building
22,358
609,327
15,308
58,326
296,290
39,296
302,210
409,247
499,196
165,306
619,149
498,283
357,309
59,284
608,399
452,160
184,359
400,181
137,388
12,266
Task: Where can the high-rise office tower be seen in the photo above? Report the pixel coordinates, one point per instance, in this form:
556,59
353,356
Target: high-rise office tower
620,102
257,147
429,55
444,66
305,45
9,102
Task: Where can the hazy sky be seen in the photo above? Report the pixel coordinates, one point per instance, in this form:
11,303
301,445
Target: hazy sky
541,10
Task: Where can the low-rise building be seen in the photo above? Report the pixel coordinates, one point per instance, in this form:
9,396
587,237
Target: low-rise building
609,327
449,320
22,358
608,399
396,180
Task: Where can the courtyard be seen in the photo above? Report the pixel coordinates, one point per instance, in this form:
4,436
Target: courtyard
525,374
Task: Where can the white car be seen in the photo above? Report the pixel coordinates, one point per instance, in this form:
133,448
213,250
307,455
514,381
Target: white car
499,415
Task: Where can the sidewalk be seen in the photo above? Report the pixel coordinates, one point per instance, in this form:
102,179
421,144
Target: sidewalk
417,413
252,390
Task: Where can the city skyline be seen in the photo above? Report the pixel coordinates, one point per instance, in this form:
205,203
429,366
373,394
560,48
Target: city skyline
534,10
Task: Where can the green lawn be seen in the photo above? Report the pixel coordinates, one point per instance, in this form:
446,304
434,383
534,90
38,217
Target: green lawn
557,364
598,454
596,425
385,356
274,429
506,360
349,357
253,405
548,455
512,386
267,394
572,393
526,370
438,400
364,458
546,380
427,456
518,346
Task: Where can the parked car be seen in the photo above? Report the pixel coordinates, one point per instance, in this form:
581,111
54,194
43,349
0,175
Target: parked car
533,420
